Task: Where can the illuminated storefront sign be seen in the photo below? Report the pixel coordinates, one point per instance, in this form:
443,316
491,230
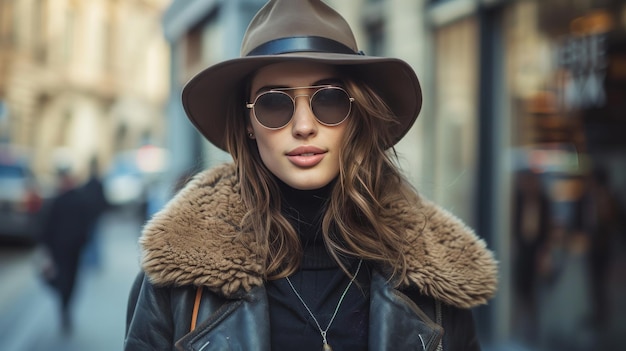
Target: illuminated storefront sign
583,59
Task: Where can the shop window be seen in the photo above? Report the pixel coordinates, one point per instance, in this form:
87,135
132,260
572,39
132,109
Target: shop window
456,121
193,45
121,137
376,38
108,41
40,30
70,32
63,132
200,44
7,32
567,116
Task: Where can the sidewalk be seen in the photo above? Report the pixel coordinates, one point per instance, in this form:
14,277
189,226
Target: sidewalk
31,323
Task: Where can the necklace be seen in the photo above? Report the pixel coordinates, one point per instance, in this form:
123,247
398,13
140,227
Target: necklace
323,332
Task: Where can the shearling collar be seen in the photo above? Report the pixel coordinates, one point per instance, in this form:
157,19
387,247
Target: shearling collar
191,241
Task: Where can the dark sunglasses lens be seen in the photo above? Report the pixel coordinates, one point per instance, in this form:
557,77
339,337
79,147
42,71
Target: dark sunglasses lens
331,105
273,109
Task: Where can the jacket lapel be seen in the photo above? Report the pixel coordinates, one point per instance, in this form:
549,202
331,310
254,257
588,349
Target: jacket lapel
238,324
396,323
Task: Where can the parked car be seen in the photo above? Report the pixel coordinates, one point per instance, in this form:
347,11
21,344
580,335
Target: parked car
21,205
130,181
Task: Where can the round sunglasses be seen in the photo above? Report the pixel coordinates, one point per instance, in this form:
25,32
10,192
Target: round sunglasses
274,109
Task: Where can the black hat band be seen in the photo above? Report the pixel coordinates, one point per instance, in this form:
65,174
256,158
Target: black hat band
301,44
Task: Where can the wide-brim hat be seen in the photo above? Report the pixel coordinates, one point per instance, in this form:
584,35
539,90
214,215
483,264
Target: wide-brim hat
299,30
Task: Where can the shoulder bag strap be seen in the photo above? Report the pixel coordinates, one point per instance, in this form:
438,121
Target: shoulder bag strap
196,306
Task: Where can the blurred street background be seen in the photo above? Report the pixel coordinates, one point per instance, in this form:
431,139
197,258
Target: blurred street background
521,135
29,318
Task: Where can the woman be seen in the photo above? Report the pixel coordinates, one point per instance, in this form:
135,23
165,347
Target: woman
311,239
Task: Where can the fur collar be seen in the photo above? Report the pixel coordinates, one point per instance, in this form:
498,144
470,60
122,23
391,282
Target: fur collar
191,242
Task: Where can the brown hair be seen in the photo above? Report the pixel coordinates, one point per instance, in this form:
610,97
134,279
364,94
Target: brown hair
355,222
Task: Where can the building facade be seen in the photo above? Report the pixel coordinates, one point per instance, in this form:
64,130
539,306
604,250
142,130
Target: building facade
81,79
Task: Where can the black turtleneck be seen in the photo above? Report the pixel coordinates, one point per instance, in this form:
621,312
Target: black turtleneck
304,209
320,283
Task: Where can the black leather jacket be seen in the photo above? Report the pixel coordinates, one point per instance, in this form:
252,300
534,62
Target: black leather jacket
160,319
190,243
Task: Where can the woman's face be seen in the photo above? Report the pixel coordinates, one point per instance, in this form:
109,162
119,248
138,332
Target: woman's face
305,153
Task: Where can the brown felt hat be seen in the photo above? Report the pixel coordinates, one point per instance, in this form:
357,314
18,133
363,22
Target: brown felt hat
299,30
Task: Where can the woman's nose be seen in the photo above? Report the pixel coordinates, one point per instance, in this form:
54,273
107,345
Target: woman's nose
304,122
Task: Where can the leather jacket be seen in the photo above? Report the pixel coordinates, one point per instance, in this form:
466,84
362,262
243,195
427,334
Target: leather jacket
196,241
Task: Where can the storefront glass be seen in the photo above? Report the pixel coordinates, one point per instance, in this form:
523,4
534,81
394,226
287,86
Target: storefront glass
456,116
566,80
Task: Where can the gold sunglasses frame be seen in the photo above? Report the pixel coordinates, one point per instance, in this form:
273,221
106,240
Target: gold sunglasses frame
250,105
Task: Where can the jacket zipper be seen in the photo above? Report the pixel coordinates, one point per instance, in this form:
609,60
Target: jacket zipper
439,321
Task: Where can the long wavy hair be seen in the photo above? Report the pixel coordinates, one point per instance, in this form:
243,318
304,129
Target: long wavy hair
356,221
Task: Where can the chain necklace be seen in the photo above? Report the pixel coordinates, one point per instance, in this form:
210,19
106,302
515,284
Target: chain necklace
323,332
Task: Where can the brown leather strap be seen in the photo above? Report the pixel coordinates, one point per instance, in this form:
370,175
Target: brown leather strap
196,306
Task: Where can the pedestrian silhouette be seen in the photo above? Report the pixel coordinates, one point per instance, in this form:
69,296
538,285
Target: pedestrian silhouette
72,216
601,215
96,205
531,225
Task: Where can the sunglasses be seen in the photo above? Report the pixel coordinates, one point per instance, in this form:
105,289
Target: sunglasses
274,108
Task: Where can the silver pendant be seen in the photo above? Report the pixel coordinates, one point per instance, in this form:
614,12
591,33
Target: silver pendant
327,347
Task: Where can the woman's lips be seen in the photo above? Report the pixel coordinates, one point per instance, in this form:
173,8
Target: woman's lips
306,156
